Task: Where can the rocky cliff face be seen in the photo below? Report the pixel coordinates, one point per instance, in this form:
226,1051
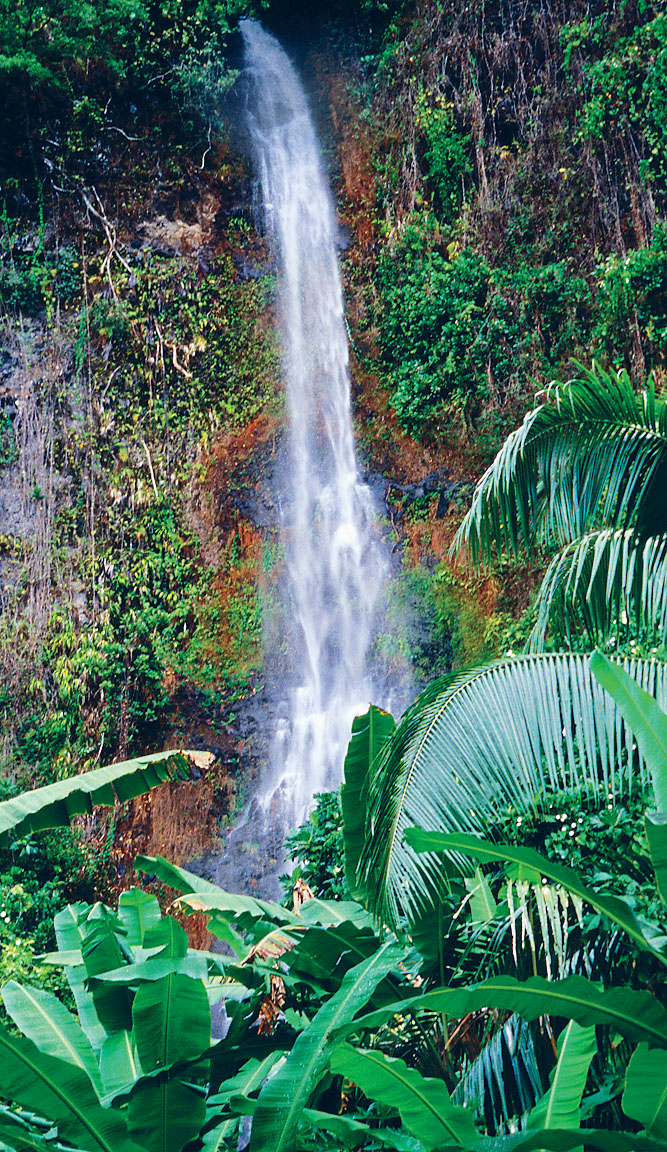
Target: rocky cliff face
501,201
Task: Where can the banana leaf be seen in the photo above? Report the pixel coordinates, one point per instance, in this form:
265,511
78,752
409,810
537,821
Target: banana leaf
369,733
62,1092
54,805
43,1019
424,1104
284,1096
636,1015
645,1095
560,1107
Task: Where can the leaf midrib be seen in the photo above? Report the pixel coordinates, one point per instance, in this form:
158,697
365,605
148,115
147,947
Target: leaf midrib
296,1101
370,1055
40,1075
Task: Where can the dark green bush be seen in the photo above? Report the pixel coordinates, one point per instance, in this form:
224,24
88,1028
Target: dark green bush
447,333
447,153
318,851
632,297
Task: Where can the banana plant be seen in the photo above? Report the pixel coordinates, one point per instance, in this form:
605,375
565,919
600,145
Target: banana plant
54,805
637,1015
139,1068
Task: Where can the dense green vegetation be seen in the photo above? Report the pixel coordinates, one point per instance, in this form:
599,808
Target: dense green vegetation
340,1042
481,966
523,192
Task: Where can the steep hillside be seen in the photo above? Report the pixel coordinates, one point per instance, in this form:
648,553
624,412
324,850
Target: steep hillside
501,177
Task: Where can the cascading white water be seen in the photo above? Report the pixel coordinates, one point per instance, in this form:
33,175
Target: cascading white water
336,563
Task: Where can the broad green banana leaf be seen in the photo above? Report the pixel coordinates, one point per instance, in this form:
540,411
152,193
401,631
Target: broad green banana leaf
424,1104
636,1015
102,951
656,834
645,1095
137,911
202,896
285,1095
246,1082
28,1136
490,742
119,1067
54,805
63,1093
369,733
43,1019
560,1107
70,928
350,1133
171,1023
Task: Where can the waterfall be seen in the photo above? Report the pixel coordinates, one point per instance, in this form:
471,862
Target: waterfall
336,564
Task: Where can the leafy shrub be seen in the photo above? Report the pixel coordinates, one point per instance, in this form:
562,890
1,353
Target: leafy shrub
318,850
632,295
446,332
625,82
447,153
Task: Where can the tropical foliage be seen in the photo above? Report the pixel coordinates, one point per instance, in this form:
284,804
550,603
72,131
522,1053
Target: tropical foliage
140,1068
487,748
326,1027
584,472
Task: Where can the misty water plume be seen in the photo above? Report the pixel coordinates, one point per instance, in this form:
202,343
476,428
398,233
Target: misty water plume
336,564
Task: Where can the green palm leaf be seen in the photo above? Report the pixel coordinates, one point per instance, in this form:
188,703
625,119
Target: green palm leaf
481,743
603,584
594,448
54,805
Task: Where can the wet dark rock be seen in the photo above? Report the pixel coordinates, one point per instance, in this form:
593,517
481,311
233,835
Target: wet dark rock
437,483
258,509
249,269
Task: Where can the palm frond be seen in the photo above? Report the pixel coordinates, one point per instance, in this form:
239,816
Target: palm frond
504,1081
607,583
594,449
481,745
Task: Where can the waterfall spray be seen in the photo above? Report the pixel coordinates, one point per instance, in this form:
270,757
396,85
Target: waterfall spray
336,563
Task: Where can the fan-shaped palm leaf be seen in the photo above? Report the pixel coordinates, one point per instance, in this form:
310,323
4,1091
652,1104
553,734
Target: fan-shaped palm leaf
483,743
595,449
603,584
